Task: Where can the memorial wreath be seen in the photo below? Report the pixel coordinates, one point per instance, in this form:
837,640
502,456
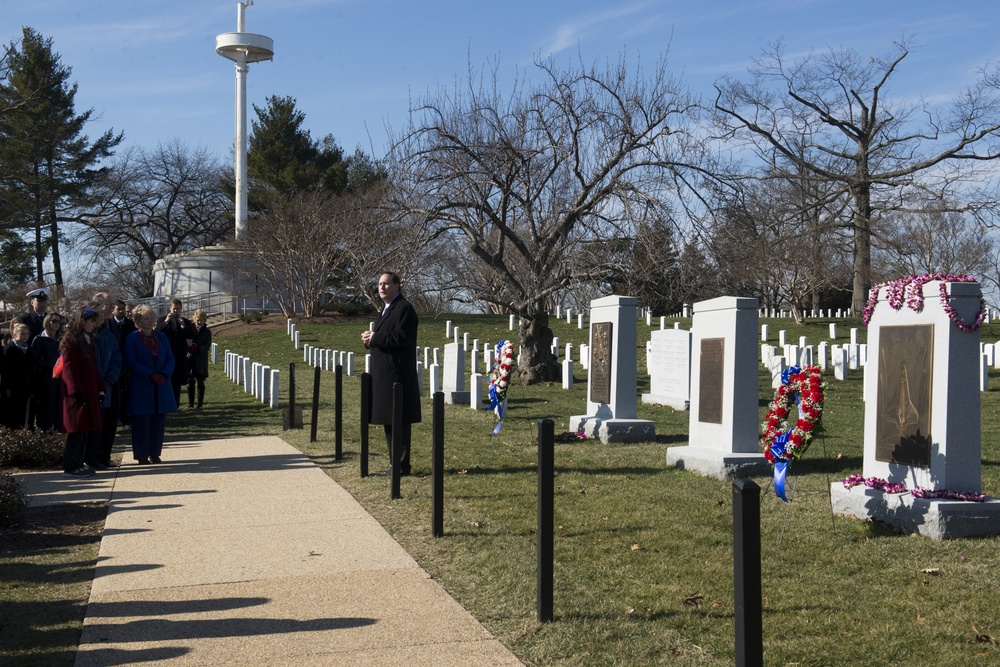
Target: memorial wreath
500,380
780,443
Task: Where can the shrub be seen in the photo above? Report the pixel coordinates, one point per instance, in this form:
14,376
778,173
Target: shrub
22,448
349,308
253,316
12,501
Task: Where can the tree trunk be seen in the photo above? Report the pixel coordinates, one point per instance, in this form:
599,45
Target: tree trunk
862,256
535,361
54,242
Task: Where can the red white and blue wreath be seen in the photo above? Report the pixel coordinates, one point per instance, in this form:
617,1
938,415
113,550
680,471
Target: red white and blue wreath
500,380
780,443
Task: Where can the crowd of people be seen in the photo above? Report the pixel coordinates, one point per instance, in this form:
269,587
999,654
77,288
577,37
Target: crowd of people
107,364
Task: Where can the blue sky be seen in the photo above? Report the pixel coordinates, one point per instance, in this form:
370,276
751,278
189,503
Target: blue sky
149,68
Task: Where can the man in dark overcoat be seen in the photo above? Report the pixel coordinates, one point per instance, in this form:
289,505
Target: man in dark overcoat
393,346
178,330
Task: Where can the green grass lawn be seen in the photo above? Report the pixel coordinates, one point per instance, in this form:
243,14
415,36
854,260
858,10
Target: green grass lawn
643,552
643,571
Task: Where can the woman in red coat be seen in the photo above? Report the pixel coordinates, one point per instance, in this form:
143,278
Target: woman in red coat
79,390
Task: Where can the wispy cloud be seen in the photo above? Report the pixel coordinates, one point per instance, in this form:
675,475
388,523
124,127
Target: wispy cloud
573,32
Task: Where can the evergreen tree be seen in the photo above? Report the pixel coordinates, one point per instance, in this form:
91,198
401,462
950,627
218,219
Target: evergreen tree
283,159
48,166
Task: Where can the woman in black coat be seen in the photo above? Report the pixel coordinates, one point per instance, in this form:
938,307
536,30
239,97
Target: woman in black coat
15,383
44,355
201,345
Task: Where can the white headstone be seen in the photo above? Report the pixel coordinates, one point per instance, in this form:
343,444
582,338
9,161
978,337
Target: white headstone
447,329
763,332
435,379
833,331
668,360
579,321
823,350
349,368
275,392
476,391
453,379
777,367
782,338
840,363
567,373
854,336
511,323
266,394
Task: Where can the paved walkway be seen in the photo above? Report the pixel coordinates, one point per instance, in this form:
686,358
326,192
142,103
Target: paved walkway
243,552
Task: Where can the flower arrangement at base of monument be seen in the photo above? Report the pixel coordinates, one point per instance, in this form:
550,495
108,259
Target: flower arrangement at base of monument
880,484
500,380
910,291
781,442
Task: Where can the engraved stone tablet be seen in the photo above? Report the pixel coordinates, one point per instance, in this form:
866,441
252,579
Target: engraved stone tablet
600,362
712,367
903,415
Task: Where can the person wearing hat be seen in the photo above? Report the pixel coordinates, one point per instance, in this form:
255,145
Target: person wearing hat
35,316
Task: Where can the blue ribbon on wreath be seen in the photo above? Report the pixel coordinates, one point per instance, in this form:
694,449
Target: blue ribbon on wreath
778,445
780,464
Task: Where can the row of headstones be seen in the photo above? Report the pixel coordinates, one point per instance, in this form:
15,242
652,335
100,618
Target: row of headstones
513,322
461,340
260,381
763,312
764,334
773,313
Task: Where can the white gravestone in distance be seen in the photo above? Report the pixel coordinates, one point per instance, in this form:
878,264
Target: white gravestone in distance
922,418
453,380
668,360
611,375
724,418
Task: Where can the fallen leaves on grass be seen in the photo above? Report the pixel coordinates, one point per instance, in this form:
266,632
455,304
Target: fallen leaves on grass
982,637
694,600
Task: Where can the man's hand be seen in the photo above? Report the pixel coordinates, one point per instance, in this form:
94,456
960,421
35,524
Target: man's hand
366,337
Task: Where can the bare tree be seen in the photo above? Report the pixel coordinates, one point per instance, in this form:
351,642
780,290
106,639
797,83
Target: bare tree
522,180
830,118
375,235
934,242
292,248
152,204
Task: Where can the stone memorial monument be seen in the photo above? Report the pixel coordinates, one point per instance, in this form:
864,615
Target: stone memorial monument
922,416
724,421
611,374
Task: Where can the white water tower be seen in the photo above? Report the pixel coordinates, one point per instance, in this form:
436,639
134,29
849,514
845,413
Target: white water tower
242,48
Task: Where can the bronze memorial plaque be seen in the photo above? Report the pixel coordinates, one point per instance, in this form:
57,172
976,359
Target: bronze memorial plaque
903,410
713,368
600,362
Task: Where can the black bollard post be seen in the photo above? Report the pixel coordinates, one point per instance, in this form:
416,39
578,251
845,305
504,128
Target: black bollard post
437,467
546,523
338,420
397,438
291,395
366,411
746,574
315,410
